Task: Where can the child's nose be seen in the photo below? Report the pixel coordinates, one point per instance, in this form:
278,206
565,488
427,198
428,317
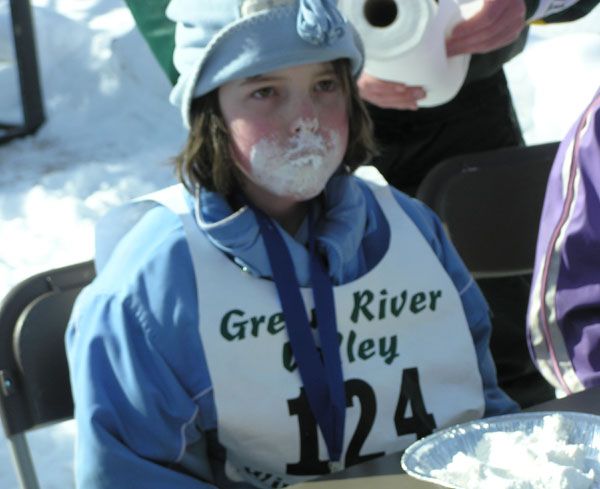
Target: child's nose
303,124
305,116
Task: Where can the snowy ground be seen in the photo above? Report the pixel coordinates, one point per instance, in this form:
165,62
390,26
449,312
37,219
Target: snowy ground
110,134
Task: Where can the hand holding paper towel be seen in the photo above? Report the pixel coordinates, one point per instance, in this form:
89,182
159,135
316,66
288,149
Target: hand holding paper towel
405,42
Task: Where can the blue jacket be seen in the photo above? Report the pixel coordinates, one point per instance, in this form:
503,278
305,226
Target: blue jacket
143,398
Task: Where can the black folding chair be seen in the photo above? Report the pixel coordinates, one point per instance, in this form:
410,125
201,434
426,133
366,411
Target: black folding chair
490,204
29,82
34,377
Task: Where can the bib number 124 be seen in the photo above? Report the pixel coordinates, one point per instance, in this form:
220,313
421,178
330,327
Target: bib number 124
421,423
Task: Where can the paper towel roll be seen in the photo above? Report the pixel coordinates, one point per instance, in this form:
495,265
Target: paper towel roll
405,42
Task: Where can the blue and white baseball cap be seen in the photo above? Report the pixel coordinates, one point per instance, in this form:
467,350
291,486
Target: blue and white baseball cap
217,41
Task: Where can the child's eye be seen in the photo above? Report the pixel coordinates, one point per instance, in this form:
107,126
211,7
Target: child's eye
327,85
262,93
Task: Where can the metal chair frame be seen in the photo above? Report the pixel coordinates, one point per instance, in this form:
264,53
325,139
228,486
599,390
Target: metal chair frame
34,378
29,81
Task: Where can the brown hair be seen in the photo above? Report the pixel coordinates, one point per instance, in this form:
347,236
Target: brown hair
206,159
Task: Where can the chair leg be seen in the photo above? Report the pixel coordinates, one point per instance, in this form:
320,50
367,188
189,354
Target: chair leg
25,50
23,463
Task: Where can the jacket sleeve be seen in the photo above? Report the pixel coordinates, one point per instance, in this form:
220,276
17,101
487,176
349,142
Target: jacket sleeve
475,307
141,389
551,11
134,416
564,306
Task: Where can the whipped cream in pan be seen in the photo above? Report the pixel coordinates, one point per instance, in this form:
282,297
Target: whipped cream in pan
542,459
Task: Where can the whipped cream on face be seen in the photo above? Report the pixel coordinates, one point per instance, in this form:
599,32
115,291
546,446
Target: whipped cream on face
301,166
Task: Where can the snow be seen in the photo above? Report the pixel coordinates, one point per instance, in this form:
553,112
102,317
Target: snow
110,135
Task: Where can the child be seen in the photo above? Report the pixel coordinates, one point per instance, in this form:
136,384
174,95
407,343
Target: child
275,318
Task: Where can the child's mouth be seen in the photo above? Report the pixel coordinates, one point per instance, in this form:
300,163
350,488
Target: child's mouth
313,159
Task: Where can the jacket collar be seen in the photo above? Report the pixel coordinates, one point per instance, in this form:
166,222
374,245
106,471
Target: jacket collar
342,223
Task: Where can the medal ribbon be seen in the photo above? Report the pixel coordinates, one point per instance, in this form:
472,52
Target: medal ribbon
321,374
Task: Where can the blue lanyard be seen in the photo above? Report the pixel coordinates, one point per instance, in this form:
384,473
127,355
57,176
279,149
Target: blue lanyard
322,377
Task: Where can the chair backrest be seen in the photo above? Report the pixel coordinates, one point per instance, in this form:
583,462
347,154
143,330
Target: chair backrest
34,377
490,204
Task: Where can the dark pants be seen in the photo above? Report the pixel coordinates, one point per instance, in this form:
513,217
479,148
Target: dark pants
480,118
517,375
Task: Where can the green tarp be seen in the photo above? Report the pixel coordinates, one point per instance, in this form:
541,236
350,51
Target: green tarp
158,31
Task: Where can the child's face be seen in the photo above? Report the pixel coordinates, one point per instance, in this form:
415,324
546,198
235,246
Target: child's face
289,128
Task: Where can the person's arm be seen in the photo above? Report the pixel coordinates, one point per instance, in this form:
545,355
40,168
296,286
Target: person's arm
500,22
134,416
389,95
497,24
140,384
564,307
474,304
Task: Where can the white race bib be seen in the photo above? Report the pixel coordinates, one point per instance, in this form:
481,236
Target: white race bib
408,357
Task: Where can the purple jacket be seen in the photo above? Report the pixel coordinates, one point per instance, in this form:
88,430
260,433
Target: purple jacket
564,306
